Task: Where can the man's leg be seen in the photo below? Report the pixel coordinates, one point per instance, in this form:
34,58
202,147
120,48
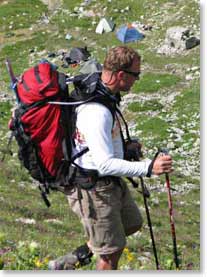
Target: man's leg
100,213
109,262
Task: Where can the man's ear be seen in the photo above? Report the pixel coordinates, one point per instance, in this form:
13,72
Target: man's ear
120,75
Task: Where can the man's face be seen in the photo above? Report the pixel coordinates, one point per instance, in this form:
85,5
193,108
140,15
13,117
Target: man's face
129,76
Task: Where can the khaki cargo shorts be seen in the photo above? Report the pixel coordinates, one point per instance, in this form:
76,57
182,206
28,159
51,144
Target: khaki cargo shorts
107,213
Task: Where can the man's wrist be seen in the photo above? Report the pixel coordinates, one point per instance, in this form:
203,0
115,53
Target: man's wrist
149,172
150,168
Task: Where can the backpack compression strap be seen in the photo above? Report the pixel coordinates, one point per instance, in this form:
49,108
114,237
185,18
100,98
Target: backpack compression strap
39,104
38,79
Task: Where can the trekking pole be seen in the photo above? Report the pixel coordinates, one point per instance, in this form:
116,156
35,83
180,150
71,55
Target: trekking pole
170,205
146,195
136,157
13,78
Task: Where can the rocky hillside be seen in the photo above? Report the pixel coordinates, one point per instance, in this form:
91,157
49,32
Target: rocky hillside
162,108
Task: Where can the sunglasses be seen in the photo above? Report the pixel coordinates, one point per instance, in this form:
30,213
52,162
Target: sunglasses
134,74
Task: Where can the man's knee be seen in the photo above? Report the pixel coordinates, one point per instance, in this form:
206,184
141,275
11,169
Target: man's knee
109,261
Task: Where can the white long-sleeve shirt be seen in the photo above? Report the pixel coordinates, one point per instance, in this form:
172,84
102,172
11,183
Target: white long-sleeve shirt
96,130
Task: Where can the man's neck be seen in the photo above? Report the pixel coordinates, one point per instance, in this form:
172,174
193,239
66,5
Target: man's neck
109,81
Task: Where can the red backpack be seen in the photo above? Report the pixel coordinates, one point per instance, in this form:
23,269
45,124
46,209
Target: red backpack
44,131
38,126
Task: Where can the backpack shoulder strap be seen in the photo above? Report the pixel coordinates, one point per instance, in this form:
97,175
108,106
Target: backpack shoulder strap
125,124
63,86
106,102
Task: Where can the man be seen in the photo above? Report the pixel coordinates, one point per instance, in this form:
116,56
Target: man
107,210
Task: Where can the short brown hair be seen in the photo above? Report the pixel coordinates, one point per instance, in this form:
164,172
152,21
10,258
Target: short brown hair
120,57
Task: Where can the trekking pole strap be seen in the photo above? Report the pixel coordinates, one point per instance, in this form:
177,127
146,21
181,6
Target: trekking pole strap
149,172
134,183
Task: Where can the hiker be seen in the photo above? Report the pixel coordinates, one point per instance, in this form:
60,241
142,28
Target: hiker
91,177
100,197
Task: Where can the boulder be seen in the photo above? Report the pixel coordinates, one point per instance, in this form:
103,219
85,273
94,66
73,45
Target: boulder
177,40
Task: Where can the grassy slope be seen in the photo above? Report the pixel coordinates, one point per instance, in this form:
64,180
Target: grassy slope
19,200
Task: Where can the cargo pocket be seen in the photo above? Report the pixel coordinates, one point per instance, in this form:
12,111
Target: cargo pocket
74,199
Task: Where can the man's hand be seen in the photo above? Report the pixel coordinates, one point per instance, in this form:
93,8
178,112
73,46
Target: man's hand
162,164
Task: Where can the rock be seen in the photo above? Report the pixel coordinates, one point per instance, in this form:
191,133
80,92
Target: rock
26,220
45,19
189,77
177,40
177,130
195,68
68,36
81,9
89,13
61,52
54,220
86,2
51,55
171,145
192,42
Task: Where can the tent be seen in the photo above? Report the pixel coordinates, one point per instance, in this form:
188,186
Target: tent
127,33
104,25
76,55
79,54
90,66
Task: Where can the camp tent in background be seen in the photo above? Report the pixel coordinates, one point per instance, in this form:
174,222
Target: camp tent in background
79,54
127,33
76,55
90,66
104,25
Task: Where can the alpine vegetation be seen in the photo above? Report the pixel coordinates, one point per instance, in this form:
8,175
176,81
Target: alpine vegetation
68,68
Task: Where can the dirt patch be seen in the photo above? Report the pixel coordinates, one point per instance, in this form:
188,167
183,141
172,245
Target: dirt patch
52,4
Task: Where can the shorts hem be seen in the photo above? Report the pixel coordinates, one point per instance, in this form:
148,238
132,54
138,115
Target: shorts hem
106,252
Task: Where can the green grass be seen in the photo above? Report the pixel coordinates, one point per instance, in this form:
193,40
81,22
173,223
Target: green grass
62,20
20,14
19,199
21,62
153,128
151,82
188,102
71,4
151,105
162,231
4,113
28,204
158,62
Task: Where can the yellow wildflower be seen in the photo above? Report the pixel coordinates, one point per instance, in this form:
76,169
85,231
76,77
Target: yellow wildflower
37,262
130,257
46,260
126,250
